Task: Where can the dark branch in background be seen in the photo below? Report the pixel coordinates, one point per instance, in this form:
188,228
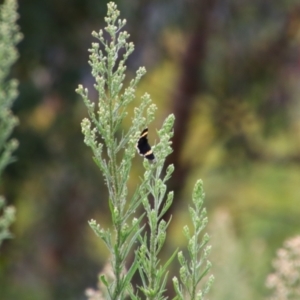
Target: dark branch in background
189,85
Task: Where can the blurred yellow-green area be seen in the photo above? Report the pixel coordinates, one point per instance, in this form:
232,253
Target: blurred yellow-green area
230,73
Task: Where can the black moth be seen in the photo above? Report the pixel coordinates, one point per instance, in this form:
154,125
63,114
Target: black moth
143,148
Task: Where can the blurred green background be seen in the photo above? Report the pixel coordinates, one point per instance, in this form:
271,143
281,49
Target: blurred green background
228,70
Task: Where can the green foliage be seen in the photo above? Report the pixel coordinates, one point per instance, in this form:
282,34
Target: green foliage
193,270
154,277
113,155
109,74
6,220
9,37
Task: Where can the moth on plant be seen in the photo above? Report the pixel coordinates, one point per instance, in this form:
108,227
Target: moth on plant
143,147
